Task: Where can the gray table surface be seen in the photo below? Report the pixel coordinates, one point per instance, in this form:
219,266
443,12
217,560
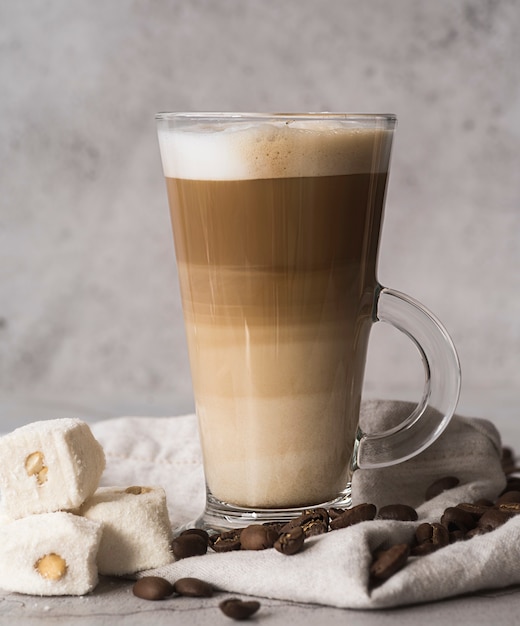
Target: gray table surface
112,602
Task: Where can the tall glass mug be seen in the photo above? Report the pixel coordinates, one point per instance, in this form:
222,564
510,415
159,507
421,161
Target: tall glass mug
276,221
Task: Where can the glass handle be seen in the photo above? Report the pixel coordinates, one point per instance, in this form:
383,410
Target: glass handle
441,388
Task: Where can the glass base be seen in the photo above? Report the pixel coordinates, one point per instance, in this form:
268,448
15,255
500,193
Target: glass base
220,516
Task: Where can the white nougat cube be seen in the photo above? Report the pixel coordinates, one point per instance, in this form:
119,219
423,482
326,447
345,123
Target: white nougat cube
49,554
48,466
136,528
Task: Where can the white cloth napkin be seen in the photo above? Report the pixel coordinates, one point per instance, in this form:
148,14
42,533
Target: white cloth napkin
333,568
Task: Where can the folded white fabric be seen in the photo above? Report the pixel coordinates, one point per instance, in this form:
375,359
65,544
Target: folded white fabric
333,569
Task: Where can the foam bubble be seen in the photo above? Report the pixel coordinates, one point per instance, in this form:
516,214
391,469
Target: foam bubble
245,151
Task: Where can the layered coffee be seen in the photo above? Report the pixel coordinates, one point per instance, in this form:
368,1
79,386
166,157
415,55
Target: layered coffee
276,229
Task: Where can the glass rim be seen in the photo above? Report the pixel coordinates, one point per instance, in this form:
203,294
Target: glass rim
216,116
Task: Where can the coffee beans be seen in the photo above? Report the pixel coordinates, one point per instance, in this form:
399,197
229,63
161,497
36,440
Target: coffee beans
493,519
357,514
459,523
430,537
455,518
226,541
313,522
258,537
239,609
193,587
387,562
398,512
290,542
152,588
189,544
475,509
156,588
509,497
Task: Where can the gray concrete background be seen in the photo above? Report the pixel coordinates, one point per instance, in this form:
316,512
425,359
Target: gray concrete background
89,304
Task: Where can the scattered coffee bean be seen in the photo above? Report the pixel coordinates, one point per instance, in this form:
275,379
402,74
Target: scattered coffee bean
226,541
430,537
474,509
493,519
197,531
313,522
509,496
360,513
423,532
257,537
291,541
322,513
315,527
387,562
190,544
455,518
441,485
239,609
152,588
440,535
334,512
193,587
398,512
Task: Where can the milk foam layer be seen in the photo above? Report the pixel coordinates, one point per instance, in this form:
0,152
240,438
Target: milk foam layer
273,149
